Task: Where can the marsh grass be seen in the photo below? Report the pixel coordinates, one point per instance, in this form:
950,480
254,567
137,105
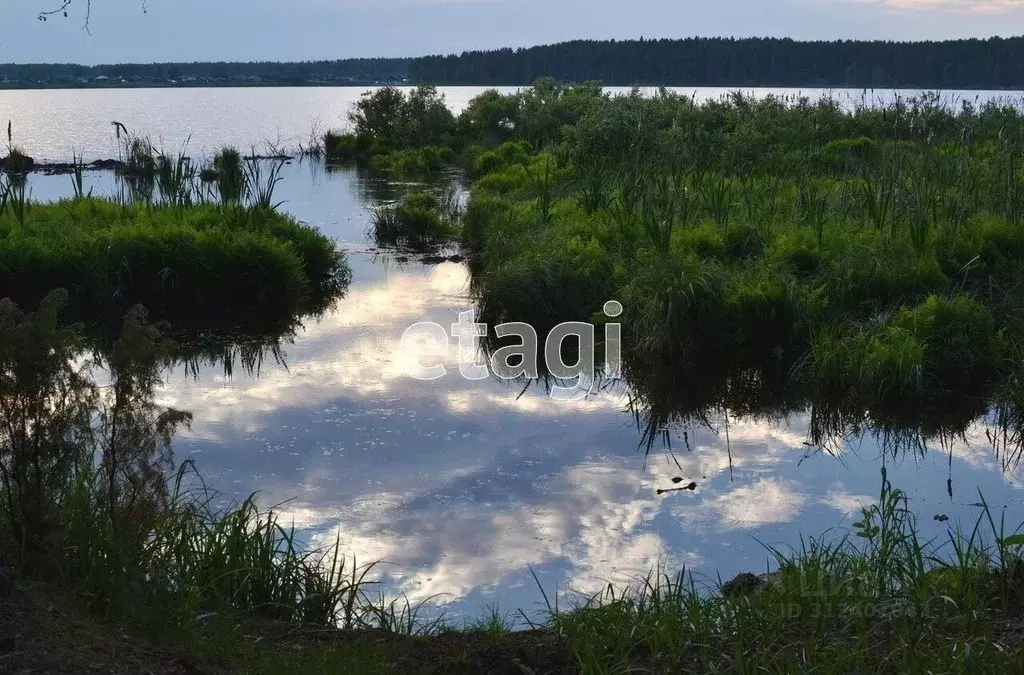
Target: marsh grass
244,559
260,187
78,177
176,179
198,267
419,222
749,234
230,175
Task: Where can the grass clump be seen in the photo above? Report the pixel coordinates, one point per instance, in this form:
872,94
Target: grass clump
228,173
199,267
417,222
16,162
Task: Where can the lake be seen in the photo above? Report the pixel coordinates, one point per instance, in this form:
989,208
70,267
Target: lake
467,488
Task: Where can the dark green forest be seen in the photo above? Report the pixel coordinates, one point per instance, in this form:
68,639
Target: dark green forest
995,63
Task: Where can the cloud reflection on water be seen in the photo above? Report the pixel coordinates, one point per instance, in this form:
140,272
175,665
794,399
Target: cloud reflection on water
463,486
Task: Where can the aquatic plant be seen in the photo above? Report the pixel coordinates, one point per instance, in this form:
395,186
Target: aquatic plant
175,179
259,189
230,175
77,176
136,165
416,222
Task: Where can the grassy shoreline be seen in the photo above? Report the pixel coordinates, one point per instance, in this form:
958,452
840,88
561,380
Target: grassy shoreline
874,598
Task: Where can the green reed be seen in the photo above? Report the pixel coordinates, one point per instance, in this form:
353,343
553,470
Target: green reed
260,188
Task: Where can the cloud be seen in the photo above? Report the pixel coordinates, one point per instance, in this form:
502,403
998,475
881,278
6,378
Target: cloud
970,6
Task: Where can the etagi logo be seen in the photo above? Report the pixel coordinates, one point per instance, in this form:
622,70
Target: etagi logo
518,360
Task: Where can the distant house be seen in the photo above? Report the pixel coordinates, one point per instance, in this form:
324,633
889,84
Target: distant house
102,78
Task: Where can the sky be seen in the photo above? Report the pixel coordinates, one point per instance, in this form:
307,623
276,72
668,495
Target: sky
291,30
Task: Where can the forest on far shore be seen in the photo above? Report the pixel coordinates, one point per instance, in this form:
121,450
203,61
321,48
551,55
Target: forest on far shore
994,63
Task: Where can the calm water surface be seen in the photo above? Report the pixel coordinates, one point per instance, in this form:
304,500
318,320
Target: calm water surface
463,486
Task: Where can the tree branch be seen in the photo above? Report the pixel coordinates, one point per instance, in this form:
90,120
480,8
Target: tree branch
63,10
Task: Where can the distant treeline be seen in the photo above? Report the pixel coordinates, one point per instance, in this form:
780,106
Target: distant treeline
354,71
995,63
